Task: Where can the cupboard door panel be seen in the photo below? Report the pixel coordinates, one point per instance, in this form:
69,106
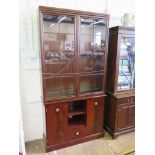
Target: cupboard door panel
126,117
56,122
131,118
95,108
122,118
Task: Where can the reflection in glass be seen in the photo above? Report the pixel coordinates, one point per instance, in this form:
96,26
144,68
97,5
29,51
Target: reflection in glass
57,87
126,76
92,45
58,38
91,83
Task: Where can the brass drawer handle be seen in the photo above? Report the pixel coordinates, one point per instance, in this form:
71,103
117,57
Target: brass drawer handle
96,103
128,100
57,109
77,133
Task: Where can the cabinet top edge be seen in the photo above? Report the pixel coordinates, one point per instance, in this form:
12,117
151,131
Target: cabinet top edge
46,9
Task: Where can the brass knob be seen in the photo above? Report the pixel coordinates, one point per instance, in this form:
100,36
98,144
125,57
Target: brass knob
70,116
57,109
96,103
77,133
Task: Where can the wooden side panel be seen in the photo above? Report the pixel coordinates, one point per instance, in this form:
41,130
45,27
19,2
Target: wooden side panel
56,122
110,113
111,64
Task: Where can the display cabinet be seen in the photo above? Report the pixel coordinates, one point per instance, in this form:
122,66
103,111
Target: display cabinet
74,58
120,105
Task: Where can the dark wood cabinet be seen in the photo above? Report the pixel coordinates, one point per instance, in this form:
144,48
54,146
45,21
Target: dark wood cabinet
74,59
120,103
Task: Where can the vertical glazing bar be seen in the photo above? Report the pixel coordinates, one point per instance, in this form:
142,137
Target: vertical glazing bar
78,23
106,54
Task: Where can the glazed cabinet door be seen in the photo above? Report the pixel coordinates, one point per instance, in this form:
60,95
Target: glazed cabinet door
95,108
125,117
56,123
126,73
58,56
92,54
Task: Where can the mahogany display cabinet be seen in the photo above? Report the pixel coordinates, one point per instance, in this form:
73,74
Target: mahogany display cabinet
120,87
74,58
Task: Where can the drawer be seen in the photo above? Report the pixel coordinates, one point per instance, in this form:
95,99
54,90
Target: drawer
76,133
126,100
123,100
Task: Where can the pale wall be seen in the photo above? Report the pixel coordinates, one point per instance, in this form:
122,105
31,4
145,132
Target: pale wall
30,69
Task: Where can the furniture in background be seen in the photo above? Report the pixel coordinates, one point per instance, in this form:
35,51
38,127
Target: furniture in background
74,57
120,102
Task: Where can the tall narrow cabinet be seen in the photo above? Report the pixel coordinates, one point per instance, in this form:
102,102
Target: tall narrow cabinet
74,57
120,105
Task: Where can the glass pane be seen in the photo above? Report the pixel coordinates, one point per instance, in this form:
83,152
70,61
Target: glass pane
67,85
91,83
50,23
126,76
66,24
86,26
51,42
92,45
86,43
53,88
59,44
58,87
99,35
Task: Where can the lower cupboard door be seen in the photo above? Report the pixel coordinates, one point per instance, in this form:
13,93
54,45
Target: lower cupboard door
56,123
95,108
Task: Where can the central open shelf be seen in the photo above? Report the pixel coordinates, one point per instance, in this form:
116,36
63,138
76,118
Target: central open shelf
77,113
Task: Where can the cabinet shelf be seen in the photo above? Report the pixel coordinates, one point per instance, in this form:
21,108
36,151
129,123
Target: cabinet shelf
59,33
77,120
78,112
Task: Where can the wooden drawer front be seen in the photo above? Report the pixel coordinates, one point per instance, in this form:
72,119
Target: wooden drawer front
126,100
95,109
56,123
125,105
76,133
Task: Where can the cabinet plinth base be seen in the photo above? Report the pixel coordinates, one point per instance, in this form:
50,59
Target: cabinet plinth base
73,142
114,135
